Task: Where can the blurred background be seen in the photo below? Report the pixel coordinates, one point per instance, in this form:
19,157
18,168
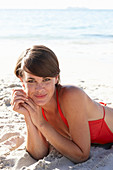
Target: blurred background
80,32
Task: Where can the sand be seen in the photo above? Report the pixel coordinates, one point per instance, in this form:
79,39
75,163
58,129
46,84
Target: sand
13,133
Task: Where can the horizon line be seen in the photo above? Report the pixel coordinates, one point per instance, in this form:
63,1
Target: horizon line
87,8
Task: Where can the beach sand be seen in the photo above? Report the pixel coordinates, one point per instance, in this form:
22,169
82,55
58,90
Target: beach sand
13,133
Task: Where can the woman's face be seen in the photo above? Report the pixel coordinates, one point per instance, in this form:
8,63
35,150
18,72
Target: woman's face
39,89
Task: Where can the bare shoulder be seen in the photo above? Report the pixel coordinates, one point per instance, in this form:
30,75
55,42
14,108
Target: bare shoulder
73,99
74,105
70,93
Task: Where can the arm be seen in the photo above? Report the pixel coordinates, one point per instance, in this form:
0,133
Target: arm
36,145
76,106
78,148
65,146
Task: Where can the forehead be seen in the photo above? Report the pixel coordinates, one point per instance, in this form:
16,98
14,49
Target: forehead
29,75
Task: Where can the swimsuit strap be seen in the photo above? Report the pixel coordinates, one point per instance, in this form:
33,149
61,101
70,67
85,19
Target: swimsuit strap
102,120
102,123
103,108
104,112
103,103
44,114
59,109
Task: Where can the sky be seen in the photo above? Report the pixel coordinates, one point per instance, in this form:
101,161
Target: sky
55,4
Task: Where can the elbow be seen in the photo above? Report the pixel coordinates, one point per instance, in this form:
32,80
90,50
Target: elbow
82,157
35,155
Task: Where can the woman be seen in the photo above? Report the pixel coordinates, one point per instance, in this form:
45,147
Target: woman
63,116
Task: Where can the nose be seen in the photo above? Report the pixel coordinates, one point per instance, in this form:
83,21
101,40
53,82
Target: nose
39,86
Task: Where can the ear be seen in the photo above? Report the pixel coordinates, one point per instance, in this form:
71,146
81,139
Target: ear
56,79
22,82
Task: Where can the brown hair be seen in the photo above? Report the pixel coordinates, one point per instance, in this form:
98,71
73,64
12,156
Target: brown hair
38,60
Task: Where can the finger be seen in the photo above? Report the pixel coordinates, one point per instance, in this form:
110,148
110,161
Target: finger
20,107
16,97
19,97
31,103
19,92
28,107
17,105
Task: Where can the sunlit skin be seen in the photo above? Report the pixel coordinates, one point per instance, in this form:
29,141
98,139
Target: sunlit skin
78,108
63,116
39,89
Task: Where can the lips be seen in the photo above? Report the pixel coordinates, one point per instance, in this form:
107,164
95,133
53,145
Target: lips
40,96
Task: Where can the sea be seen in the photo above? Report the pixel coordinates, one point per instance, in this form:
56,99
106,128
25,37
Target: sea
81,38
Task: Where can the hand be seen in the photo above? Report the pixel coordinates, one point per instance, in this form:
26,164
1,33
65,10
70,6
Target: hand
35,112
26,106
18,99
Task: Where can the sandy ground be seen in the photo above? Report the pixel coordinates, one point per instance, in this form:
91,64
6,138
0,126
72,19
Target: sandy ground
13,134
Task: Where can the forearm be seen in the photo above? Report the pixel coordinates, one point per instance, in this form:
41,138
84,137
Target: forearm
36,144
65,146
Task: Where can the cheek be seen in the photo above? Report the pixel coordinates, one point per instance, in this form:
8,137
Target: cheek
51,88
28,90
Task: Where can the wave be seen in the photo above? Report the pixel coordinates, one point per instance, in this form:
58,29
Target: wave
56,37
78,27
40,37
98,35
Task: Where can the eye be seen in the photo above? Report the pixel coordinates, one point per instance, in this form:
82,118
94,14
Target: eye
46,79
30,81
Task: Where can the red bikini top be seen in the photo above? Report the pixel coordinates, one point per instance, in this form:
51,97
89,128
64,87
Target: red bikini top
99,131
62,116
59,109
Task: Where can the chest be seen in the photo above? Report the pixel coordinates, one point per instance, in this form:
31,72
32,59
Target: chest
58,124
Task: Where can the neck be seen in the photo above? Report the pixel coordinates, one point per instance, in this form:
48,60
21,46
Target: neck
52,105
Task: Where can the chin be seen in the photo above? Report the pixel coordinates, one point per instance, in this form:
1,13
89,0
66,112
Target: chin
40,102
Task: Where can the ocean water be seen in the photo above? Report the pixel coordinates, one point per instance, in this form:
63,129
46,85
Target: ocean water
81,38
70,24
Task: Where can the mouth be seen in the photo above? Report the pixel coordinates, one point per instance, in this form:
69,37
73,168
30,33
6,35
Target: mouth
41,96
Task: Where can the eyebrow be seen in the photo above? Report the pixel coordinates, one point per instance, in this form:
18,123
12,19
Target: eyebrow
34,78
30,78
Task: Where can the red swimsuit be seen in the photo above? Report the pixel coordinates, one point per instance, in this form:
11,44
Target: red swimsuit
99,131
